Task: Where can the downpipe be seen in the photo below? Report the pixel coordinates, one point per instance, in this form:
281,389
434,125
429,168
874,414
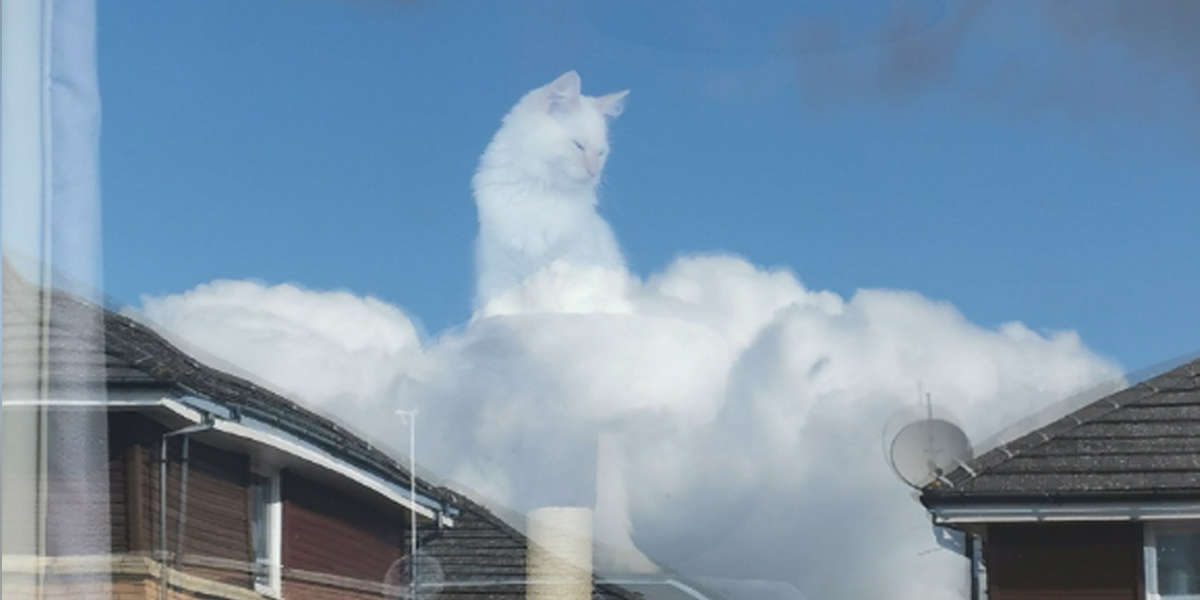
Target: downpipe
164,576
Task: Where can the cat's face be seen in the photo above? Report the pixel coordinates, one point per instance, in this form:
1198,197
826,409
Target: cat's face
565,134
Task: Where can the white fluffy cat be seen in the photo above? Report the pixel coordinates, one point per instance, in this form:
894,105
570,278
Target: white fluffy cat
535,188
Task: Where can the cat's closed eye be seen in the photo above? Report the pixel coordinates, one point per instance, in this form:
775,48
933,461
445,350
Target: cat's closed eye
577,144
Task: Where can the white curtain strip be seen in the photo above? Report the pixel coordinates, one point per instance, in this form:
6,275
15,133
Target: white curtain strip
51,236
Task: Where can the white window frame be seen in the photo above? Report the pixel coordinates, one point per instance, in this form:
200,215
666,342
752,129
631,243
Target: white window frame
1150,533
274,534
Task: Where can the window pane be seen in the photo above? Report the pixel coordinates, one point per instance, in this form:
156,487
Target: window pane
1178,563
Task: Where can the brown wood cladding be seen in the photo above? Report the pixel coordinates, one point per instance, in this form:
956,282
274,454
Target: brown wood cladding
1100,561
328,531
217,496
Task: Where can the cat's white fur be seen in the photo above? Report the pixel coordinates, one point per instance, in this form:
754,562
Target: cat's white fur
535,187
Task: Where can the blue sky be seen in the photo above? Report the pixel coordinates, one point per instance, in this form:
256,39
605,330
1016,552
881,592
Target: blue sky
996,159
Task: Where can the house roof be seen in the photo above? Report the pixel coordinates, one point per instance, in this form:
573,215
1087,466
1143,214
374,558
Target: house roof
71,345
82,344
1142,442
55,329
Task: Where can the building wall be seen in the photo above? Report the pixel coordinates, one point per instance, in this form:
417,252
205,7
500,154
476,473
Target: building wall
1092,561
336,543
217,530
332,539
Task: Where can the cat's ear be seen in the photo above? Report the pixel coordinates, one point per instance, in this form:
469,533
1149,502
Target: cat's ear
563,93
612,105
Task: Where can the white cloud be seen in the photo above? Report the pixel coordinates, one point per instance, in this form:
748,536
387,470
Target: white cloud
320,346
746,410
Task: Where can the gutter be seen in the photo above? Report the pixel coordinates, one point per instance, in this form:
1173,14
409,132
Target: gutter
1072,511
319,459
437,510
425,506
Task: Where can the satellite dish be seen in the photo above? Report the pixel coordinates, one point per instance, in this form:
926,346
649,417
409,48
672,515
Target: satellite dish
923,450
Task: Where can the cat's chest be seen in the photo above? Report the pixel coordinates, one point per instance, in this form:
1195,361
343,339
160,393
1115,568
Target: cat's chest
537,214
538,226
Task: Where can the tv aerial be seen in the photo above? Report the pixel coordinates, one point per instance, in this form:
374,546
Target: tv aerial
924,449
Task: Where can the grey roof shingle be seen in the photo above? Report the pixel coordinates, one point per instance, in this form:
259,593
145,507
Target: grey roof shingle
1140,442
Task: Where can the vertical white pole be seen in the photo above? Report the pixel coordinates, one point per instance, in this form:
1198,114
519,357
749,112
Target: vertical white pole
412,494
411,417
